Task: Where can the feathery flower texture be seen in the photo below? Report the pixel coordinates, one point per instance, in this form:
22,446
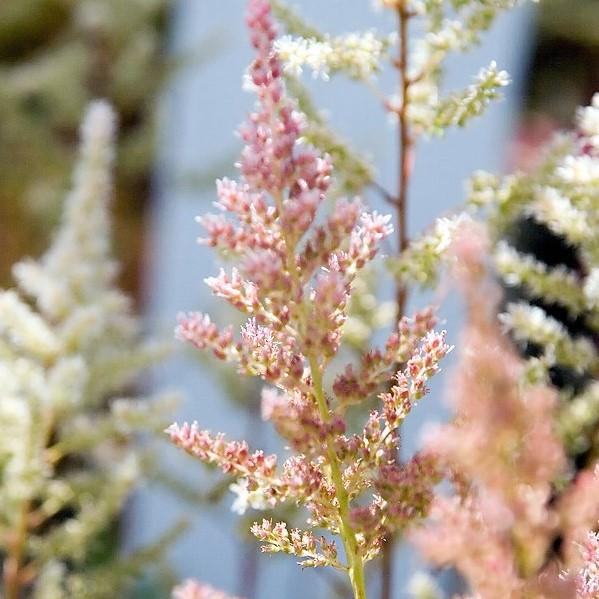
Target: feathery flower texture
357,54
587,578
293,280
500,526
553,313
68,344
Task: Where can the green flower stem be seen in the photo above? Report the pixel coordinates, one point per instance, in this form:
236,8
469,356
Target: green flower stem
355,562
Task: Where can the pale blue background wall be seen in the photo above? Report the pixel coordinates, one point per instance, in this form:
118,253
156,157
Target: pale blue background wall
201,109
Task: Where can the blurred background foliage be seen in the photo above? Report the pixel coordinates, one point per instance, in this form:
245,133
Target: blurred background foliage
563,73
56,55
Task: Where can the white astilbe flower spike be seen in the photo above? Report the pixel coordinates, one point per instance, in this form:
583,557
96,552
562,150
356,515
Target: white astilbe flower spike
78,265
26,329
557,284
587,119
550,211
532,324
245,498
461,107
357,54
558,213
68,342
579,170
422,261
591,288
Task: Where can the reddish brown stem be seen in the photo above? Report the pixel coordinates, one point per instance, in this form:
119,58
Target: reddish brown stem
405,151
17,574
11,570
404,170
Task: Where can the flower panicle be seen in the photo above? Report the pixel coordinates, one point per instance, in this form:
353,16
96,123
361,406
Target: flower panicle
293,280
313,551
231,456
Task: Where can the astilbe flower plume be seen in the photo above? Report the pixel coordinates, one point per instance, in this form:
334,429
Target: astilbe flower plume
293,280
587,578
191,589
543,223
501,525
70,346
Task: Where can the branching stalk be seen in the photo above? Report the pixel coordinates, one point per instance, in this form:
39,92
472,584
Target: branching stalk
355,562
354,559
405,147
13,561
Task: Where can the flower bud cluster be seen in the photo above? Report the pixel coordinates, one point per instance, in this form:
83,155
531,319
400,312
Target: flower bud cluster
558,284
232,456
359,55
531,324
313,551
463,106
422,261
377,366
201,332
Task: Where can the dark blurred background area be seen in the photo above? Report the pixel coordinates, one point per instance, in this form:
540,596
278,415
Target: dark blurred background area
563,73
55,56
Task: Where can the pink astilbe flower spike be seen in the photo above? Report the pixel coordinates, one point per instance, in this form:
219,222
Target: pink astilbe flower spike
270,160
377,366
296,418
460,536
587,578
326,240
365,239
255,217
192,589
293,280
313,551
231,456
579,510
197,328
240,293
330,299
503,456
